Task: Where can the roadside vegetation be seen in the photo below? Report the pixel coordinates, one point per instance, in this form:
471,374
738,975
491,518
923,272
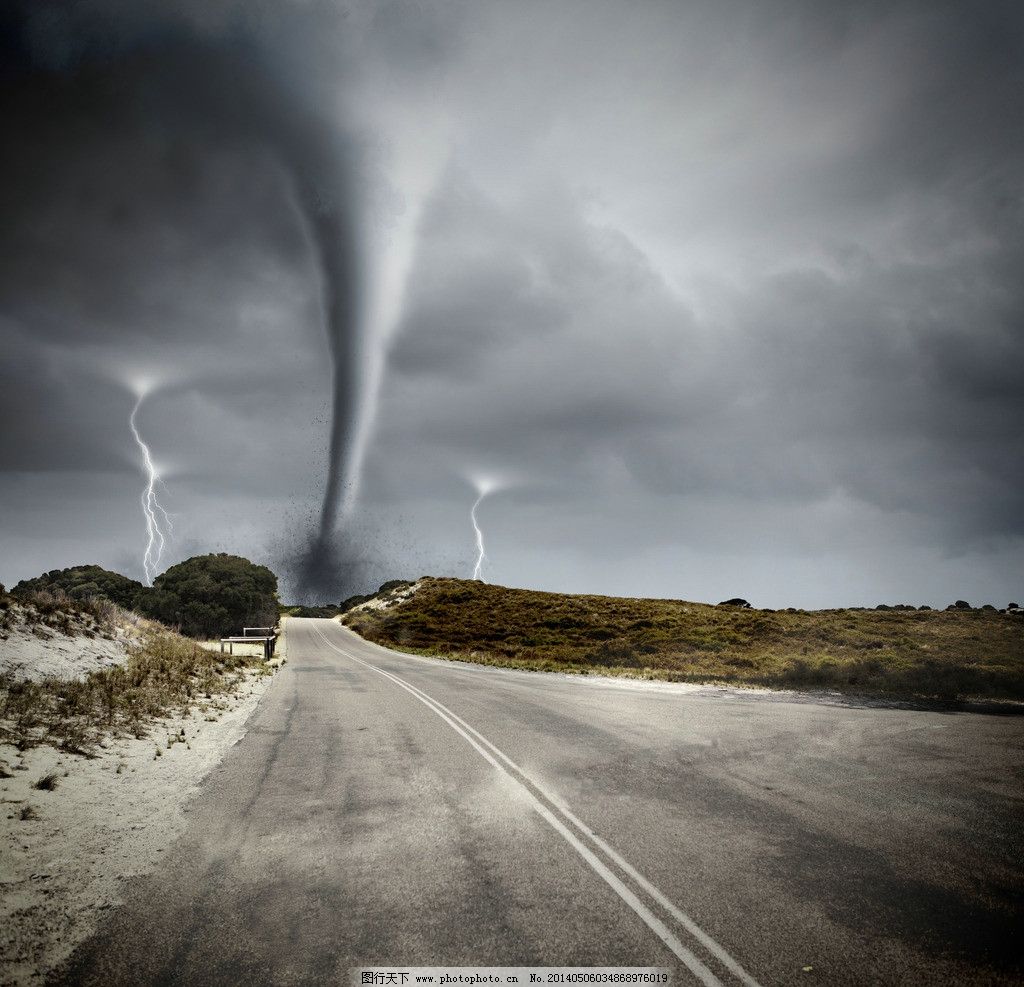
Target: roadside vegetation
89,616
386,592
205,596
327,610
85,582
163,674
902,652
213,596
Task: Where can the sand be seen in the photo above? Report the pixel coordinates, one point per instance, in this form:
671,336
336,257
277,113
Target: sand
35,650
389,599
107,820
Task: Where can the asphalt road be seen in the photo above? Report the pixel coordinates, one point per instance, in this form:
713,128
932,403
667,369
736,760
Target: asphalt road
391,810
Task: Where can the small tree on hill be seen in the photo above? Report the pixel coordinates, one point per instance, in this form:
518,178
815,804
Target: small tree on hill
214,596
81,581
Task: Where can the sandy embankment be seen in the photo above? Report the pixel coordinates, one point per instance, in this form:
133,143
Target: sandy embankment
388,600
35,649
107,820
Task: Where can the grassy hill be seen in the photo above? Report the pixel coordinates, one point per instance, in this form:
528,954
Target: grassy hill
922,653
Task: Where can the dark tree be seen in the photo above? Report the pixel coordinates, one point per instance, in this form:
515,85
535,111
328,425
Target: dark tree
81,581
214,596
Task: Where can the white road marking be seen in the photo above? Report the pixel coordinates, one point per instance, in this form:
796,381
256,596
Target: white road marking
484,747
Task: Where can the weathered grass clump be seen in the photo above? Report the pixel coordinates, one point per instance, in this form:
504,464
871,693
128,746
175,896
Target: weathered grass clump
47,783
164,674
91,616
906,653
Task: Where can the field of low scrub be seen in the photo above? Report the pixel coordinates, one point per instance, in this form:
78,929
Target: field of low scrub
46,610
159,673
906,653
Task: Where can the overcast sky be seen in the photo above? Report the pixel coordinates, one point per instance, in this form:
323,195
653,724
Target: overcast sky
726,297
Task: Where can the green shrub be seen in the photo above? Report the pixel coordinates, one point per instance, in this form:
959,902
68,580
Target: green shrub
84,581
214,596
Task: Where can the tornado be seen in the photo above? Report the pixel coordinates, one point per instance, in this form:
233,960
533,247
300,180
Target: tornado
325,201
341,311
227,84
318,567
318,160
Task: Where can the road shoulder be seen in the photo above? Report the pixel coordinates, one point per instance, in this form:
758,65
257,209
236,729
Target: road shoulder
67,852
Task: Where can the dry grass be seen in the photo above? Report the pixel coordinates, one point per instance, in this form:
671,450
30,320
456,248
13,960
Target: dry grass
253,650
164,674
967,653
47,783
89,616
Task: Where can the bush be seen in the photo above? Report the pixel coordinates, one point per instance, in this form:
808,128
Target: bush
83,581
303,611
214,596
392,584
354,601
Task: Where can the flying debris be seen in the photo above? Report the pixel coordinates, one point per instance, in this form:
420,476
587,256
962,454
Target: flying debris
158,521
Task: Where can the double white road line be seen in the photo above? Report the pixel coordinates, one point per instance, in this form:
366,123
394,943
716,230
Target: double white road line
612,869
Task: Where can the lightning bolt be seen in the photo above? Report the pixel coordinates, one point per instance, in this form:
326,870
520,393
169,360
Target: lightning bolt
480,554
152,510
484,484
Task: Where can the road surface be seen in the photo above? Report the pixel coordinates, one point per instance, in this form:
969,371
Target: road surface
386,810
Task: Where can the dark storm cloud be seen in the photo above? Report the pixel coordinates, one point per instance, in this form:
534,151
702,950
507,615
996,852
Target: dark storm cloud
874,380
727,291
475,289
54,441
600,365
156,158
413,40
818,300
